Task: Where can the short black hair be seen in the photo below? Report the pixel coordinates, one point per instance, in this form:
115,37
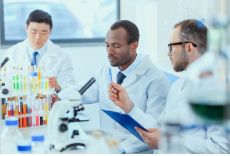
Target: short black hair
131,29
40,16
194,31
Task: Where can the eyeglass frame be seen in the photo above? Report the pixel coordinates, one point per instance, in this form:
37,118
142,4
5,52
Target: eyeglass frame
179,43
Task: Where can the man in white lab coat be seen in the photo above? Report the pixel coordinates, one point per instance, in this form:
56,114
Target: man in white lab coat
38,50
147,87
188,42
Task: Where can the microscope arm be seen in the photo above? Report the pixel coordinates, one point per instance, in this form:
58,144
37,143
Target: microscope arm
57,113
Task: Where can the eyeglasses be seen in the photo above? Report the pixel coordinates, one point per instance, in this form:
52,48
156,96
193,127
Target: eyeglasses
179,43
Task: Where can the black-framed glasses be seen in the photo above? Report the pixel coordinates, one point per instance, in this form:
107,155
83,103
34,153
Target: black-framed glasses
179,43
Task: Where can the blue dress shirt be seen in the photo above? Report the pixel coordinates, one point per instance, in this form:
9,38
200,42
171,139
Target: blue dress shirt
40,51
128,70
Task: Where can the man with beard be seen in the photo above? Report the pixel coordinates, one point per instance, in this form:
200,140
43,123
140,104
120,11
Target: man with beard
188,42
146,86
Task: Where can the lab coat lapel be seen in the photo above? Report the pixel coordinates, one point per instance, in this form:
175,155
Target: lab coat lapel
48,55
139,70
23,54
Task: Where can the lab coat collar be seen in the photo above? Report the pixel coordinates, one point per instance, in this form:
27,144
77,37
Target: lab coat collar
49,51
139,70
23,54
40,51
135,63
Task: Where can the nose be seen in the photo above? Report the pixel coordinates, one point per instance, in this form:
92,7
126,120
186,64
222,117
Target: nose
38,36
110,50
169,53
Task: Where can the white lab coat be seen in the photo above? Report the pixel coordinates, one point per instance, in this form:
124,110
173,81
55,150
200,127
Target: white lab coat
54,58
211,139
147,88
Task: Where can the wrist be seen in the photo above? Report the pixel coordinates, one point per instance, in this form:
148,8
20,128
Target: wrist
57,88
129,106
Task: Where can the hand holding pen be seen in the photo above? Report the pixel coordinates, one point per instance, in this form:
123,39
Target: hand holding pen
120,97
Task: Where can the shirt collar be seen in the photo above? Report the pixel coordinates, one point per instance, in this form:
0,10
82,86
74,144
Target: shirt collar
135,63
40,51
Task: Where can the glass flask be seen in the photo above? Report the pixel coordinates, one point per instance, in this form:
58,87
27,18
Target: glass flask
170,141
208,87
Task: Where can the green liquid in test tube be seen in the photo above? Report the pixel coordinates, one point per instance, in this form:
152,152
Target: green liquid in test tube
14,85
14,82
17,78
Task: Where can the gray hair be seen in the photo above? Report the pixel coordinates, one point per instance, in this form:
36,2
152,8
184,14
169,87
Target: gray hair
194,31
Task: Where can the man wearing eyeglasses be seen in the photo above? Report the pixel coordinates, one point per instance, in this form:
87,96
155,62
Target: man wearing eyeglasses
188,42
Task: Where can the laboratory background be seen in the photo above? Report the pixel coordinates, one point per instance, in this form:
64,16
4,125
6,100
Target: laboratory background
80,28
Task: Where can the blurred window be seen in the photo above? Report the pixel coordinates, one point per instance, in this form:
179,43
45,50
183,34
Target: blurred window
73,20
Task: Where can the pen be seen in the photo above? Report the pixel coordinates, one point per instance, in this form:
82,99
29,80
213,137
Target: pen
110,74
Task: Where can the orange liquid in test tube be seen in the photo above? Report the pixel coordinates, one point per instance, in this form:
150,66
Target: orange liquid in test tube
24,112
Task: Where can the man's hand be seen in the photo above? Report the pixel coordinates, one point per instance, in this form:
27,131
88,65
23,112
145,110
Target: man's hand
53,84
120,97
55,98
151,138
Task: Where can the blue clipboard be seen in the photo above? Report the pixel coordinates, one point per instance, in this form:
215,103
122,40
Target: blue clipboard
126,121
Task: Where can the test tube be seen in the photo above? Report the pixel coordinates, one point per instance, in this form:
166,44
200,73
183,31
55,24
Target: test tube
17,106
39,77
28,87
21,79
34,111
14,84
49,101
24,111
42,75
17,79
46,108
8,107
21,111
12,106
50,74
25,74
43,108
31,70
29,102
37,111
46,80
40,110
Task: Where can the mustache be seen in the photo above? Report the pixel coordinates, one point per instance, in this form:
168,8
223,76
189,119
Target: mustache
112,56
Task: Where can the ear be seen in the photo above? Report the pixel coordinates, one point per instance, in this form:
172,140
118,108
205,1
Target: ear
134,45
189,48
26,27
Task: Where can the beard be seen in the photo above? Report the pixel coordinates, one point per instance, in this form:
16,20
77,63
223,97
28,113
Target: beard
121,60
182,63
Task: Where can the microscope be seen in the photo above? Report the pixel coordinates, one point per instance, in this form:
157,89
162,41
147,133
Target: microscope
57,130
